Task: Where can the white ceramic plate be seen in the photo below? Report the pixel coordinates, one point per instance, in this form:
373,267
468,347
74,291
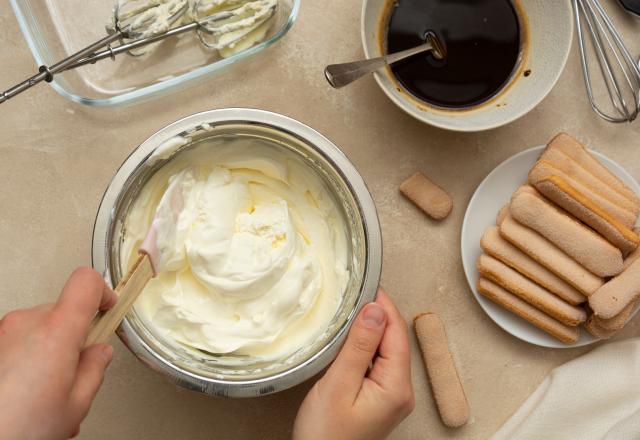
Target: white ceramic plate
492,194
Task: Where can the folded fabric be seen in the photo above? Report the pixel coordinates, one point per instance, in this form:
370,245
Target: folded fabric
596,396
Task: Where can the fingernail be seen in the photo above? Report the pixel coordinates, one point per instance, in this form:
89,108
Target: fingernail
107,353
373,315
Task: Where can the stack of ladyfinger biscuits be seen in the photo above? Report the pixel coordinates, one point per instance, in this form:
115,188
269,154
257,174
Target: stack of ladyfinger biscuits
564,251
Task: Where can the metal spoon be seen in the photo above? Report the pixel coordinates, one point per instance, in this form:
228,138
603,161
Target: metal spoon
339,75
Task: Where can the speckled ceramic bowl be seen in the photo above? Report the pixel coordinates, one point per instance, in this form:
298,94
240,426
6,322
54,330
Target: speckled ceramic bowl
546,35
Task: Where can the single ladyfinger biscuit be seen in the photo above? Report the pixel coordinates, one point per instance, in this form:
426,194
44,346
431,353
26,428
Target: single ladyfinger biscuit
567,165
631,258
427,196
618,293
507,278
579,242
635,254
543,170
502,214
496,246
576,151
548,255
620,320
526,311
504,211
445,383
596,330
564,195
526,189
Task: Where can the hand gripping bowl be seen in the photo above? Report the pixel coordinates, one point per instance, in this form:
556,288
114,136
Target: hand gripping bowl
202,371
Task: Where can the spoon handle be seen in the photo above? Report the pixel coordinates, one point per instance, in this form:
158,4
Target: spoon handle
339,75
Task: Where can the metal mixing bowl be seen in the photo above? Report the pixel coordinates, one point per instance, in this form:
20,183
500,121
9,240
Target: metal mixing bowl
205,372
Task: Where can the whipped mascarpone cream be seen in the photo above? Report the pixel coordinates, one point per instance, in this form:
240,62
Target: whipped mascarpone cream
255,262
238,24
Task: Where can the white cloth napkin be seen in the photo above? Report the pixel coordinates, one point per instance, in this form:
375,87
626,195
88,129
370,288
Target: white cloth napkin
596,396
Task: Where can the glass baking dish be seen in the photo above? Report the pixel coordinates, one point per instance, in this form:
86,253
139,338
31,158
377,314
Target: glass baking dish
55,29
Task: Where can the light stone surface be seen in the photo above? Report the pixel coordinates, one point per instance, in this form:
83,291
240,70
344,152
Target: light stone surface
56,159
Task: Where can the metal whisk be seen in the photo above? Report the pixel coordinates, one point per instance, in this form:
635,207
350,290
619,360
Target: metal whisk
618,68
138,23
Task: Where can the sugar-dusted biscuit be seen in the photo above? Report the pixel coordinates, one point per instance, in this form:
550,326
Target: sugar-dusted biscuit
547,254
567,165
578,241
631,258
526,311
635,254
612,298
544,169
620,320
502,214
596,330
445,383
529,189
564,195
576,151
495,245
427,196
606,328
507,278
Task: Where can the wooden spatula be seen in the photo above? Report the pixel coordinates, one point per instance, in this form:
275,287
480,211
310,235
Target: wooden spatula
128,289
145,268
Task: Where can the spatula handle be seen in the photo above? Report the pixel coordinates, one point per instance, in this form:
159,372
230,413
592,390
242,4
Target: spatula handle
106,323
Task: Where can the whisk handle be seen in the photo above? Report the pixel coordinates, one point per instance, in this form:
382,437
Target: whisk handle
44,75
111,52
47,73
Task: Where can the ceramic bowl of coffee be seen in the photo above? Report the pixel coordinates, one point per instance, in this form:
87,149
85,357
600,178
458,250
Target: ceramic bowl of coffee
504,57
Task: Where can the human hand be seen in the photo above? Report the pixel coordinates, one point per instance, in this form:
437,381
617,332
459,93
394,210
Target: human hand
367,390
47,378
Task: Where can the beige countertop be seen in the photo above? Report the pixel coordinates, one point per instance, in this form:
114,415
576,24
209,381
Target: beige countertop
56,159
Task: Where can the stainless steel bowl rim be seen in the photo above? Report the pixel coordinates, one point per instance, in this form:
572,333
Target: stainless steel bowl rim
373,264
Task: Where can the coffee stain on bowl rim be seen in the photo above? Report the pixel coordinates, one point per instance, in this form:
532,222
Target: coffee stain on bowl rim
520,72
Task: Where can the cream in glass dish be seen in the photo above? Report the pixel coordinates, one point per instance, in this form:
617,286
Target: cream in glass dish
274,249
